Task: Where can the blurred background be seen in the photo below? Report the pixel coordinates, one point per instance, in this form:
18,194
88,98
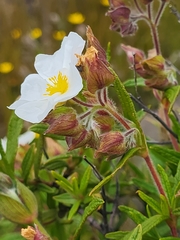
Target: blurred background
29,27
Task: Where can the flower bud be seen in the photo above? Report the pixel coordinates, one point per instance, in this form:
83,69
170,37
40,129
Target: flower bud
63,121
134,55
96,73
117,143
80,140
122,21
31,233
24,203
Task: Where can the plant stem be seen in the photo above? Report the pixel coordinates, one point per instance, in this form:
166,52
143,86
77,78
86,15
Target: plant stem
155,116
137,6
155,38
104,211
156,22
149,11
118,117
154,174
82,103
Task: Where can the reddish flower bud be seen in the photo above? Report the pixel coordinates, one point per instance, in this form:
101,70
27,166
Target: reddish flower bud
63,121
80,140
116,143
92,41
122,21
134,55
95,70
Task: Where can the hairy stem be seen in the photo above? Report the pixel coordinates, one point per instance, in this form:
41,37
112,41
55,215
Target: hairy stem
137,6
82,103
159,14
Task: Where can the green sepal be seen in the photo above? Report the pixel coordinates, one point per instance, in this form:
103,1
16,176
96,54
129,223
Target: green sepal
150,201
93,206
125,157
27,163
41,128
14,129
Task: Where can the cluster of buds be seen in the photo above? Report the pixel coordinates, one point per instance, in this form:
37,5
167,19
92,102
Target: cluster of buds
154,70
122,19
94,128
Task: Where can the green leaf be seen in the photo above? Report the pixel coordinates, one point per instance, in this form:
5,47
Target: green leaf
136,233
165,182
56,162
74,209
93,206
128,107
165,154
65,198
170,238
176,125
44,188
164,205
176,211
131,82
75,185
27,163
123,160
144,185
85,179
135,215
116,235
38,154
14,130
150,201
148,224
171,94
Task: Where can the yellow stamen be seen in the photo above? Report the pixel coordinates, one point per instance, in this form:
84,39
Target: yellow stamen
59,84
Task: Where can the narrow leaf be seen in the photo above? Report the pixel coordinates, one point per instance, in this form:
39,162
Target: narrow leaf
170,238
74,209
56,162
165,182
176,125
136,216
85,179
132,83
27,163
123,160
128,107
171,94
116,235
150,201
93,206
65,198
38,154
164,205
14,130
136,233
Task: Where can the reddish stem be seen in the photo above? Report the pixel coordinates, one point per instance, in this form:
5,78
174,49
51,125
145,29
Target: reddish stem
82,103
154,174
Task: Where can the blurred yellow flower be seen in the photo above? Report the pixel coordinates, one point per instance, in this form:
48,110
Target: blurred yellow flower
36,33
105,3
59,35
6,67
16,33
76,18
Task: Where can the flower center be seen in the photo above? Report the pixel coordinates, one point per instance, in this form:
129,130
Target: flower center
59,84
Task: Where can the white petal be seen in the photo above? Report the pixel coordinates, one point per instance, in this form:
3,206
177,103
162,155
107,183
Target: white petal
26,138
34,112
33,88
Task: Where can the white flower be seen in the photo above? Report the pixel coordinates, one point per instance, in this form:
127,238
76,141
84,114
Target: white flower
57,80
